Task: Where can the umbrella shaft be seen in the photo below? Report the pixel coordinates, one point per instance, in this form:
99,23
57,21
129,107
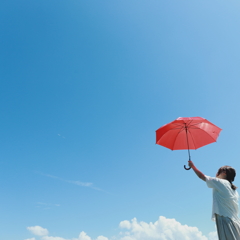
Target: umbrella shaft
187,142
189,155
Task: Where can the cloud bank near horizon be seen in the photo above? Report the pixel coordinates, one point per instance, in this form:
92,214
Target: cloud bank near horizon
163,229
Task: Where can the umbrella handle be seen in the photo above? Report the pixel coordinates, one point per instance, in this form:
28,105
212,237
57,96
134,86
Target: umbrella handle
187,168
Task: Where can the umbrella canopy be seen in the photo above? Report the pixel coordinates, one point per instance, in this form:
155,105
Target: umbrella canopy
187,133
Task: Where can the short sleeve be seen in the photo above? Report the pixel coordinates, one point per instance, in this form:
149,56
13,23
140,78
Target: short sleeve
213,182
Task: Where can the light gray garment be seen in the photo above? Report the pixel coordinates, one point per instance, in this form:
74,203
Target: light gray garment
225,199
227,229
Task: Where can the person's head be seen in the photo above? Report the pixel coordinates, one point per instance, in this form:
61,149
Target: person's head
228,173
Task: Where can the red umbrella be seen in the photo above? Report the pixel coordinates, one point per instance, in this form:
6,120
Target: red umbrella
187,133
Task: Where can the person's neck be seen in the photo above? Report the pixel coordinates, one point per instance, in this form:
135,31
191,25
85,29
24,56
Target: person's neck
222,176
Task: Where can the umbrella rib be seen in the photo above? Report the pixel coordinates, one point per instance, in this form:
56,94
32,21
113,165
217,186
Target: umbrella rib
194,124
182,129
201,130
175,128
189,124
214,140
208,135
178,125
188,130
192,138
171,130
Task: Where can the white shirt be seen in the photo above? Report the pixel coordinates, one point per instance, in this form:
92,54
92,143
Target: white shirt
225,199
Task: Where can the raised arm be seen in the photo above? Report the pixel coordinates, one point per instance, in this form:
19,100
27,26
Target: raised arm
198,173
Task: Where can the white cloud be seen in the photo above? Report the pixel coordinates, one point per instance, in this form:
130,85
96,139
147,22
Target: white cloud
37,230
52,238
125,224
212,236
162,229
83,236
101,238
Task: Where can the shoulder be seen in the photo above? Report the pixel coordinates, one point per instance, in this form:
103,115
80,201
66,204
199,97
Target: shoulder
215,179
208,178
213,182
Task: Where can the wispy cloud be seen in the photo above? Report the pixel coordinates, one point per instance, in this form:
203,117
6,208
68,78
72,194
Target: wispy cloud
83,184
78,183
47,205
60,135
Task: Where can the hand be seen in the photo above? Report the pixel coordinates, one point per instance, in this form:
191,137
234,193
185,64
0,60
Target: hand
190,163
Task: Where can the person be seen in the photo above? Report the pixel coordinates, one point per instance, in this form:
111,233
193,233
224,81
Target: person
225,201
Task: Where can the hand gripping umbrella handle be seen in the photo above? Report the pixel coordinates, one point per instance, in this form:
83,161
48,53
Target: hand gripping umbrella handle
187,168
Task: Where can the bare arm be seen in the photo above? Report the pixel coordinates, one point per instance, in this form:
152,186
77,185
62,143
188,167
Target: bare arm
198,173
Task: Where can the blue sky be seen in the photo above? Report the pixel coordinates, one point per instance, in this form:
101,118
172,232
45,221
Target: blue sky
84,85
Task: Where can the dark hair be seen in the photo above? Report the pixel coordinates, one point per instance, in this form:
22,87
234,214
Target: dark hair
230,172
